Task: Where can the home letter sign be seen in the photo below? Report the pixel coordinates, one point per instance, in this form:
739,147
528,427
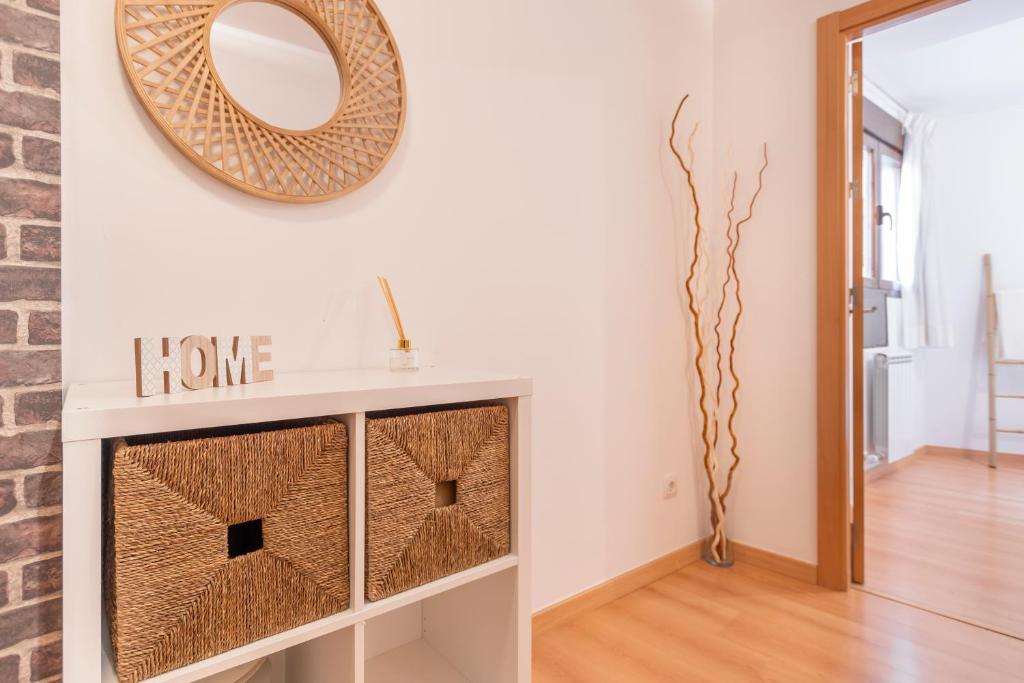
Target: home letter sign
166,365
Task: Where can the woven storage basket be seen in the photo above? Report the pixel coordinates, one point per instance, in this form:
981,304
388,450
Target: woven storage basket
213,543
413,537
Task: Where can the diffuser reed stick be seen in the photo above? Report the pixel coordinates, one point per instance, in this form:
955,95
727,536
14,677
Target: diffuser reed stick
385,287
403,356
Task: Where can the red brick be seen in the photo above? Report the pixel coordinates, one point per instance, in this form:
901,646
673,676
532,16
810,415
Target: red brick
29,199
8,327
30,283
30,450
29,368
51,6
36,407
43,490
46,661
8,500
40,154
30,30
9,668
6,150
29,537
30,622
28,111
40,579
5,596
36,71
44,327
40,243
26,198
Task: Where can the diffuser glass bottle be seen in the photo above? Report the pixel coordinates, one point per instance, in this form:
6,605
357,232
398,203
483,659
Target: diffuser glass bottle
404,357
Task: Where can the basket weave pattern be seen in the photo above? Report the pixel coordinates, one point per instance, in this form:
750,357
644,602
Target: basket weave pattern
173,594
409,540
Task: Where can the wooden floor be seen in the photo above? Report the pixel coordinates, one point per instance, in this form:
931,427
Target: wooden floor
947,533
750,624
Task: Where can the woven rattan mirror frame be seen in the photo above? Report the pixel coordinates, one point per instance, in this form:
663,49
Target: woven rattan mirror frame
165,49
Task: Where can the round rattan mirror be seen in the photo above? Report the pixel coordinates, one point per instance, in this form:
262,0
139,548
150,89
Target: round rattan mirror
318,113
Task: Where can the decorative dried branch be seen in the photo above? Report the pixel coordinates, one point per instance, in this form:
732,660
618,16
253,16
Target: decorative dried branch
734,408
704,258
721,302
710,462
696,292
689,144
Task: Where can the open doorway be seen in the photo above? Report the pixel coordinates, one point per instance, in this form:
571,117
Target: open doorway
939,150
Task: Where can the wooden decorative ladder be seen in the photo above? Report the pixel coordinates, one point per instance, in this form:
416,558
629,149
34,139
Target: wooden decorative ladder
994,361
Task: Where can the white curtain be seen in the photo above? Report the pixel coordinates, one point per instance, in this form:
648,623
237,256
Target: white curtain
926,320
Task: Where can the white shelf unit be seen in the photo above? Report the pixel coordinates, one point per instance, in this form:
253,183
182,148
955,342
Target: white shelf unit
472,627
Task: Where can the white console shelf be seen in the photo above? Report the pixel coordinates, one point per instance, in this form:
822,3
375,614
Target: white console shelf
471,627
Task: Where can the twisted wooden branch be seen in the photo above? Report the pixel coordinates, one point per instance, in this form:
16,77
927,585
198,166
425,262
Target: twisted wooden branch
700,281
719,544
689,144
734,408
709,461
721,302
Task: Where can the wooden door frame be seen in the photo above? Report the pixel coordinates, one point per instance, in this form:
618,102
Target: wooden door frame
835,32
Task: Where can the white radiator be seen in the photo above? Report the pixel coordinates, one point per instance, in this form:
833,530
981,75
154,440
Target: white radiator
894,406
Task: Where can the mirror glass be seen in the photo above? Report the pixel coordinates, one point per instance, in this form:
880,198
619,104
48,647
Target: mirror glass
276,65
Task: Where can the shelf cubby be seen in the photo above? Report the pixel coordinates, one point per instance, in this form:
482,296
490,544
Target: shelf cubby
463,635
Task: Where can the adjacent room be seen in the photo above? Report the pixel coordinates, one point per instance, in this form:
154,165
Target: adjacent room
943,367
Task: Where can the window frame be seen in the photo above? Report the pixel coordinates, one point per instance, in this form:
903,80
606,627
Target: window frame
878,148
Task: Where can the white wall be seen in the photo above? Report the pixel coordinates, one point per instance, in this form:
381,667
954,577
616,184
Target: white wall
976,175
526,223
765,90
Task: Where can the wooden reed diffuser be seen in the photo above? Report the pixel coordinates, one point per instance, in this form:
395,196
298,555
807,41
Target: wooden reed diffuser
404,356
709,362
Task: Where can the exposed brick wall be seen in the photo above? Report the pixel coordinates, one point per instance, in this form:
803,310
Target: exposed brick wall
30,391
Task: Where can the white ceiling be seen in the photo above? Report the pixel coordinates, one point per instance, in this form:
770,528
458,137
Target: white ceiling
964,59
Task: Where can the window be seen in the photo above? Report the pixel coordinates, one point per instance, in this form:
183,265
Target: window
868,194
882,166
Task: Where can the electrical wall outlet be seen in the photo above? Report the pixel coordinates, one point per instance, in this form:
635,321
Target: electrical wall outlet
670,487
